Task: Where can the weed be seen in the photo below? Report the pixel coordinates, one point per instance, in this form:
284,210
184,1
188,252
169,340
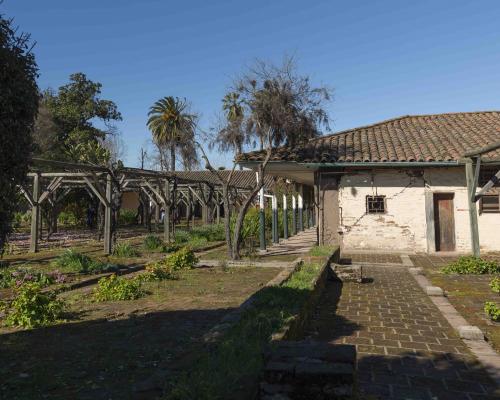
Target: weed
182,259
159,271
152,242
321,251
73,261
127,217
113,288
32,308
492,310
170,248
182,236
495,285
125,250
471,265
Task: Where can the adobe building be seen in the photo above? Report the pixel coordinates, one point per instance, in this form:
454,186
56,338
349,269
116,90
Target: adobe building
426,183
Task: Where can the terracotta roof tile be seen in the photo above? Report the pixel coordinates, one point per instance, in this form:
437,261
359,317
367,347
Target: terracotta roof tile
437,137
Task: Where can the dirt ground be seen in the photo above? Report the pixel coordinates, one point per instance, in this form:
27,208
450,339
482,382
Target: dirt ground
467,293
122,350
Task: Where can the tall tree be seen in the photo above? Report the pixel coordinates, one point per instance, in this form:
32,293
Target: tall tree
172,124
74,108
18,104
280,99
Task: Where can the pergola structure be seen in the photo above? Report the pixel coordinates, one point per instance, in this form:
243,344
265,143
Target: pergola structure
50,181
472,170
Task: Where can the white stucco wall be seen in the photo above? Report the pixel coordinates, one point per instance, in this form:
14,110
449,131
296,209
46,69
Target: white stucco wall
403,227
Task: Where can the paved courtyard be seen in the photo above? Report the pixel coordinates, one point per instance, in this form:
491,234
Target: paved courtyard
406,349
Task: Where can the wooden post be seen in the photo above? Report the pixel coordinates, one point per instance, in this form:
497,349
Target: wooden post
474,228
35,214
262,219
157,212
107,217
285,218
166,217
217,199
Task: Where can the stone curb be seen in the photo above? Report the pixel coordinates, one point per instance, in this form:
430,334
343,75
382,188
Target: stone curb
472,336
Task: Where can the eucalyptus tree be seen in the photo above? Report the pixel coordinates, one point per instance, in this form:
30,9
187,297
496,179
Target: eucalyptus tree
18,104
171,124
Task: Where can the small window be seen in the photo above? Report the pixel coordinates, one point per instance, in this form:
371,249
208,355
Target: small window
489,204
375,204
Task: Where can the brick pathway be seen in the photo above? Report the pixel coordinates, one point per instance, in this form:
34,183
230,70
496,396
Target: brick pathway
406,349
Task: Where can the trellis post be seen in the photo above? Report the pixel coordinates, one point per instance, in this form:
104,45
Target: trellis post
166,217
471,194
107,216
35,214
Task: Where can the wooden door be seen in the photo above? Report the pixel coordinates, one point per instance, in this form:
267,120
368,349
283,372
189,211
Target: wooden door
444,221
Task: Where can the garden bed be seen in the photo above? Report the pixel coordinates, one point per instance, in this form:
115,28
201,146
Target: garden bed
122,349
467,293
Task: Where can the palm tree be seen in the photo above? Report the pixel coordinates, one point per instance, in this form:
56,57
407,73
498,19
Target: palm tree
171,124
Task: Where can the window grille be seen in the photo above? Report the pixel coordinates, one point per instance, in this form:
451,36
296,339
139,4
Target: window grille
375,204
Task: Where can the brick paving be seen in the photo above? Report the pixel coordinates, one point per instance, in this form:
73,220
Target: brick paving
406,349
371,258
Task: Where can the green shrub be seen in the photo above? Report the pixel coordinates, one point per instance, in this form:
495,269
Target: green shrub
124,250
197,242
152,242
181,259
170,247
113,288
472,265
31,308
492,310
159,271
127,217
495,285
182,236
73,261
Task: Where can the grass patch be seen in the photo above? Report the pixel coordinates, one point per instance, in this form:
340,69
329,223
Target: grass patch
72,261
492,311
231,370
471,265
152,242
495,285
321,251
125,250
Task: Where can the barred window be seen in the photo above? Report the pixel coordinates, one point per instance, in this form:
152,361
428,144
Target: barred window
489,203
375,204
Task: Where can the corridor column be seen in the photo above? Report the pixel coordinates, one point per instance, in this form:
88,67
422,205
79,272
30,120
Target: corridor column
285,218
166,216
301,211
294,215
262,219
274,205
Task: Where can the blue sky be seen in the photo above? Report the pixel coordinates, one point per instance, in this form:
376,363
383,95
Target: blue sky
383,58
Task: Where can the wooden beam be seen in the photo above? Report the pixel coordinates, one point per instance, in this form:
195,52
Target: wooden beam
53,185
97,192
492,182
27,195
166,217
483,150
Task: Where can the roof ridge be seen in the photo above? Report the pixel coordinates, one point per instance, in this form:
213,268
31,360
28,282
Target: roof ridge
385,121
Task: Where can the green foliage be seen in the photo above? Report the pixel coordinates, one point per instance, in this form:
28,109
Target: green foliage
495,285
472,265
152,242
67,218
492,311
115,288
127,217
18,105
73,261
321,251
124,250
159,271
237,357
182,236
72,112
181,259
32,308
213,233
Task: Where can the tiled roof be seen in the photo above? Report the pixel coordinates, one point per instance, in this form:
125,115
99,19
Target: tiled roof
424,138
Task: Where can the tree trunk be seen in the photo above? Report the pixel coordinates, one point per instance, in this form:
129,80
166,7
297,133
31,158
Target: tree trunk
227,221
172,157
